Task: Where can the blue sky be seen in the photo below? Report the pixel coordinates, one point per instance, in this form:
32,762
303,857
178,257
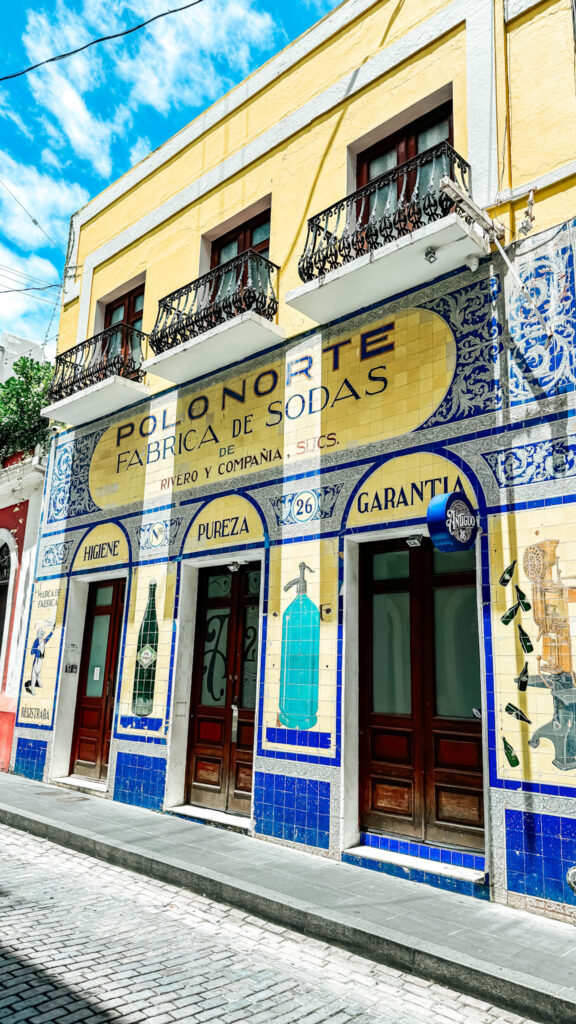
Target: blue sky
68,129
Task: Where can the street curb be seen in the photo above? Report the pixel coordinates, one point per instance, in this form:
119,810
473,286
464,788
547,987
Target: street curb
508,989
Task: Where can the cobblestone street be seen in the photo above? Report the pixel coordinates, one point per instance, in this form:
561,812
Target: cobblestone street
86,942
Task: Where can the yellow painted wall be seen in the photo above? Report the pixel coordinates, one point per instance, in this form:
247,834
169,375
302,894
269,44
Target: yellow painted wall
309,171
542,91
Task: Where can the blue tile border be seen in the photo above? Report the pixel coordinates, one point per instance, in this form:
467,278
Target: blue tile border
540,848
442,854
479,890
133,722
140,780
30,758
299,737
296,810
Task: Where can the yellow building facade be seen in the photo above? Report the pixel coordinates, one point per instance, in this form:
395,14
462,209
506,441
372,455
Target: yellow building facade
307,552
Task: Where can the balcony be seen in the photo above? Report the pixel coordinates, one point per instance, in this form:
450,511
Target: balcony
223,316
98,377
398,232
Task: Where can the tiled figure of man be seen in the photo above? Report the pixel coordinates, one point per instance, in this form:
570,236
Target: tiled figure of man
38,650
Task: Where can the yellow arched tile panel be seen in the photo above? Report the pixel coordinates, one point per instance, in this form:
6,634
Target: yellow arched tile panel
223,523
403,488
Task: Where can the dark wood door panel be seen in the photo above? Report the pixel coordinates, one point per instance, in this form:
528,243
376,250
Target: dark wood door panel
456,806
90,718
393,796
391,745
207,772
210,730
456,814
245,736
243,779
87,750
458,752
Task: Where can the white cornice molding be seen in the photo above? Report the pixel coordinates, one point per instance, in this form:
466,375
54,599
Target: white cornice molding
559,174
482,152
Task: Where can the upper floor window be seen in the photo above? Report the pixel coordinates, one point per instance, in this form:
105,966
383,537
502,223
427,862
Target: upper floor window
408,142
127,309
253,234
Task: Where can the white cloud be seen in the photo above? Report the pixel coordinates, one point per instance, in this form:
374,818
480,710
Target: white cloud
187,59
60,89
27,314
51,201
139,150
11,115
321,7
48,158
193,57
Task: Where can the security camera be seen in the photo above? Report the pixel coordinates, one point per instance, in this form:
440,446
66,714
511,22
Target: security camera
472,262
54,430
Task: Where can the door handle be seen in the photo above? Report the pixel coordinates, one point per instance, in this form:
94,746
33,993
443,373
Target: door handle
234,735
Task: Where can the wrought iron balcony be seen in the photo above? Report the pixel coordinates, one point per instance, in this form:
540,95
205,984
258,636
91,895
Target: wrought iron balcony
385,210
115,352
242,285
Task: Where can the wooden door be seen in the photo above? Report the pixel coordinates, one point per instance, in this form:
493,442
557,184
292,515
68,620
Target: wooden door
420,737
221,733
97,683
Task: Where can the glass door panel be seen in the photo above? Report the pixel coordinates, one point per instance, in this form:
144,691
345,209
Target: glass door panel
430,173
97,658
249,656
457,652
391,677
214,671
385,200
391,565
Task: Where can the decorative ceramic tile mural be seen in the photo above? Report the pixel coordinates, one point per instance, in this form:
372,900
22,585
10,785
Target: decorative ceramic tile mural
292,459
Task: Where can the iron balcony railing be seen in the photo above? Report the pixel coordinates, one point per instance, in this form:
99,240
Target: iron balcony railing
242,284
388,207
117,351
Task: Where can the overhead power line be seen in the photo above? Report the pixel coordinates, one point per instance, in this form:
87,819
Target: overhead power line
20,276
28,214
40,298
30,288
101,39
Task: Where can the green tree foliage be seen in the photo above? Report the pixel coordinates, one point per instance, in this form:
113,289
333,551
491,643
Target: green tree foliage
22,397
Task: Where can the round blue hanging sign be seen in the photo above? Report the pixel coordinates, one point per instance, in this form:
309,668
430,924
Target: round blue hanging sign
452,522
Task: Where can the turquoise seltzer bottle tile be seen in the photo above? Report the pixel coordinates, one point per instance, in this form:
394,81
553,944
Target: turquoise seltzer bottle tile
300,657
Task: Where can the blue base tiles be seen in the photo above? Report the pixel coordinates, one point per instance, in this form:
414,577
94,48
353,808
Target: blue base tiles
540,848
299,738
477,889
459,858
132,722
30,759
140,780
297,810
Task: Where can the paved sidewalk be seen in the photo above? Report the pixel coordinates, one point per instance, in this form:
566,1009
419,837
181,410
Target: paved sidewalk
508,957
85,942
